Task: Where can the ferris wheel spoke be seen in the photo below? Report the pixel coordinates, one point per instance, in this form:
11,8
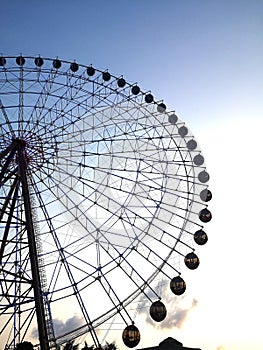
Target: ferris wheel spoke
21,101
45,84
66,203
65,104
43,207
101,104
73,284
133,212
139,285
116,304
42,120
10,130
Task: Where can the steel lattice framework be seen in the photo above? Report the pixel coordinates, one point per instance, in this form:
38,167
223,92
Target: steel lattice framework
102,190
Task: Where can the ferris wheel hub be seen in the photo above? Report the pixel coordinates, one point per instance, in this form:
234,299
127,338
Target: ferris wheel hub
32,148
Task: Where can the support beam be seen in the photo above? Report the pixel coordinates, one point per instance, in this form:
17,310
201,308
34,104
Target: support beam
10,216
42,329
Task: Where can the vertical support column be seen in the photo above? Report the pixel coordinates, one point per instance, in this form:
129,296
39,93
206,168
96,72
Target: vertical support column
40,311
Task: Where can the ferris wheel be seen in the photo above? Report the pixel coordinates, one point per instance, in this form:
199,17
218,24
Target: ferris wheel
103,190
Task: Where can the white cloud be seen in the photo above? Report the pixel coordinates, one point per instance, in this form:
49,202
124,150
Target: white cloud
66,326
178,315
178,310
62,326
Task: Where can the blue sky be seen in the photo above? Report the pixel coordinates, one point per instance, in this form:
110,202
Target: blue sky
204,58
204,50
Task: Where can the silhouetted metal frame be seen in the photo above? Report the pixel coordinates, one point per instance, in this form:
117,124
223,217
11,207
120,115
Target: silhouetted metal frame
42,329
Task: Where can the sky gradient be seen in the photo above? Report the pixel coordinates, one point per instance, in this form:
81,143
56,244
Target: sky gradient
204,59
